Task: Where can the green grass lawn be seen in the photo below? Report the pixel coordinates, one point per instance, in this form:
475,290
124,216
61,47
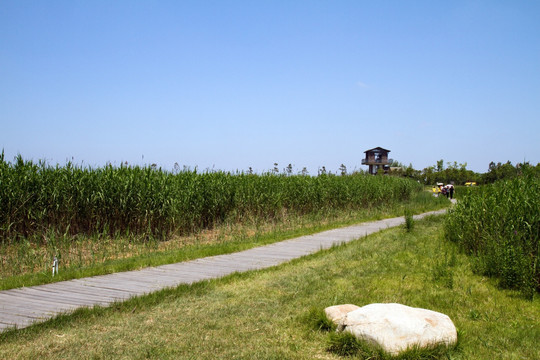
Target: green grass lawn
263,314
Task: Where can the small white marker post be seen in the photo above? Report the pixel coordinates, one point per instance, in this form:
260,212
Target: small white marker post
55,266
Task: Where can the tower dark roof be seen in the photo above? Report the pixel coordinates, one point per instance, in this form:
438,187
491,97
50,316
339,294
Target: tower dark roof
377,149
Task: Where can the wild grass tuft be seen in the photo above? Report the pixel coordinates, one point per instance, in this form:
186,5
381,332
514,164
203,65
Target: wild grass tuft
442,271
409,221
346,344
317,320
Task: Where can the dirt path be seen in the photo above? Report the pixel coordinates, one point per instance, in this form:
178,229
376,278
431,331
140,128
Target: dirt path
25,306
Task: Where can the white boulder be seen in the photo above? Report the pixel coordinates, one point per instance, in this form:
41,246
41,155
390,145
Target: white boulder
396,327
337,312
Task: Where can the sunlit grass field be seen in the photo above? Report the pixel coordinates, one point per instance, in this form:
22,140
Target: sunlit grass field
263,314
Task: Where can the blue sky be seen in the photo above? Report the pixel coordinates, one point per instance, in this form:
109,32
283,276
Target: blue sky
236,84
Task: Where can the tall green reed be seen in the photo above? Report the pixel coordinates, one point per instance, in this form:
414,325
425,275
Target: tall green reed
39,201
500,225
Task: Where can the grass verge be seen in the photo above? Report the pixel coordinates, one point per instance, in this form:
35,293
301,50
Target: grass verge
265,314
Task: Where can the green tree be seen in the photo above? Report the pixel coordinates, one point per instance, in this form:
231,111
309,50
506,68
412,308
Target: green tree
440,165
288,170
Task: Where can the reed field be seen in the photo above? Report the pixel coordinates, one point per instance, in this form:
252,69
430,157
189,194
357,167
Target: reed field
37,199
499,224
101,220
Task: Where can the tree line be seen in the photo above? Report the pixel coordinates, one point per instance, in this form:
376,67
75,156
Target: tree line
459,174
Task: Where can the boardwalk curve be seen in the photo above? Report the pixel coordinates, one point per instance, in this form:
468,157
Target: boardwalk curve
25,306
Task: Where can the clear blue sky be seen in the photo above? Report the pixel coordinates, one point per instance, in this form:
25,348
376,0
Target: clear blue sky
233,84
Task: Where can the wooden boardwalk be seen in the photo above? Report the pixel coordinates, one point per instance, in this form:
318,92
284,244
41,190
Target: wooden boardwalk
24,306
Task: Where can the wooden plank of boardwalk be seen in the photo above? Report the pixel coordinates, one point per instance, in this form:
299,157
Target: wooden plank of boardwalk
24,306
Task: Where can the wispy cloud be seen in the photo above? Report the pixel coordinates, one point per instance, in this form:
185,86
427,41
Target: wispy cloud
362,85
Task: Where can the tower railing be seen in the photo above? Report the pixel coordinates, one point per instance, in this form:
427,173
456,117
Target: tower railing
376,161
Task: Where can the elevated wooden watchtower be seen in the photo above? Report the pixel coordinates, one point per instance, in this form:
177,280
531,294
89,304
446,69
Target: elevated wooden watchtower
376,159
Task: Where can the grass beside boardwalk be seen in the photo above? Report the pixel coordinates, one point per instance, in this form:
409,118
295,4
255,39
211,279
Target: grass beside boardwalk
263,315
26,264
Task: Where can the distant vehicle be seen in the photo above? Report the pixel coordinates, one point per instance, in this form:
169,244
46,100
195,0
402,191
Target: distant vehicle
470,183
